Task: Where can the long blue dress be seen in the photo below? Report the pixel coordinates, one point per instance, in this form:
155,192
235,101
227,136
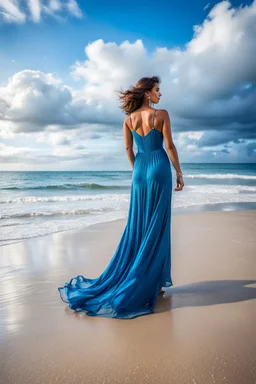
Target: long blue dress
141,264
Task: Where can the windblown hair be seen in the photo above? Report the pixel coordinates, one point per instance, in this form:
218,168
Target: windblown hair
132,98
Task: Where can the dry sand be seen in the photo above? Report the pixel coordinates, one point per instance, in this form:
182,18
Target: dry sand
202,331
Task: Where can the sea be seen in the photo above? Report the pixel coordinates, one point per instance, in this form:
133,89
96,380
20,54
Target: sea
40,203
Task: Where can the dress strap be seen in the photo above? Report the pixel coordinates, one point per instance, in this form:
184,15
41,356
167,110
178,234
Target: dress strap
154,117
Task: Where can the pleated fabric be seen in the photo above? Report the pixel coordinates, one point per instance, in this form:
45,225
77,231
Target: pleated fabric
141,264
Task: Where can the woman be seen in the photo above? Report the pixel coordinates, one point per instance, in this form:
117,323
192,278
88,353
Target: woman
141,264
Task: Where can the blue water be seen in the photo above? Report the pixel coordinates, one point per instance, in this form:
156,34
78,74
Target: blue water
39,203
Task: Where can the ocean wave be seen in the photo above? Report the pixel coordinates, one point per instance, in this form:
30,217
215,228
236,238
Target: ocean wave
54,213
219,176
221,188
68,186
18,233
54,199
202,189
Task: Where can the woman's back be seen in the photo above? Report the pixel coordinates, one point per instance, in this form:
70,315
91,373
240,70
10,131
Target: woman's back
146,129
142,121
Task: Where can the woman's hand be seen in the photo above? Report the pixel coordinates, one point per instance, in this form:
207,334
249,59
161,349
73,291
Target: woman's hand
180,183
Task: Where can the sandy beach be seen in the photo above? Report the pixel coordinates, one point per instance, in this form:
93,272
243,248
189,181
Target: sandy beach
202,331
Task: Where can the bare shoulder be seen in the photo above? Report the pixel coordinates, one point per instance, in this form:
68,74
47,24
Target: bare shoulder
126,119
163,113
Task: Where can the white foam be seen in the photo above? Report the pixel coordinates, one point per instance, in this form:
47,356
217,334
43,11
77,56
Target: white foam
219,176
49,199
213,188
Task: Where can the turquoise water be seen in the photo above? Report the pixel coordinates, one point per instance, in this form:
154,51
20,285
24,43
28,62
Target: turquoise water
39,203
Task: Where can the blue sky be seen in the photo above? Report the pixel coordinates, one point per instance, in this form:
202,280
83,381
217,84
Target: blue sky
43,47
54,46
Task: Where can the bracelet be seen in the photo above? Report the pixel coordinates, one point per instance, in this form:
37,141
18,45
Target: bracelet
179,173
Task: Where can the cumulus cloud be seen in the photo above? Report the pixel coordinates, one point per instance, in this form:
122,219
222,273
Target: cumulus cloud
208,88
33,100
18,11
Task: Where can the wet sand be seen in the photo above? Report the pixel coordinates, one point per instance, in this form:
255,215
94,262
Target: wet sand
203,329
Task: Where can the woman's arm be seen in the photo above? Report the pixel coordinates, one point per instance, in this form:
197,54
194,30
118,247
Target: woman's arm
169,144
128,141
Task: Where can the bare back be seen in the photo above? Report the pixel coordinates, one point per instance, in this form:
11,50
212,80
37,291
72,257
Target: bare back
144,121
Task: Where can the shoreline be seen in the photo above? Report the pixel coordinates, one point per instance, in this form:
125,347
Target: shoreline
220,207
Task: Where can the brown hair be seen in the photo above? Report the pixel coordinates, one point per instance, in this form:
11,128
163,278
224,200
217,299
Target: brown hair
132,98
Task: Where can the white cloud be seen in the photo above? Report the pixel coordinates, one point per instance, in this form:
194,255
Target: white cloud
10,12
35,10
73,8
13,11
55,138
54,5
7,129
222,25
10,154
33,100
